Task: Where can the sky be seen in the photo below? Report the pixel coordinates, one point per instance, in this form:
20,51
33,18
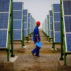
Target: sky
39,8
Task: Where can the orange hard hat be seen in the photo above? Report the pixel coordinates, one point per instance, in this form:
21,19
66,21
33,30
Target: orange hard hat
38,22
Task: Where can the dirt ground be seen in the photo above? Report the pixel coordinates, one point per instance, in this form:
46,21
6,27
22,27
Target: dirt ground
48,60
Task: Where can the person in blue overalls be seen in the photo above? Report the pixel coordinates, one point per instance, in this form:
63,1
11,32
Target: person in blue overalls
36,38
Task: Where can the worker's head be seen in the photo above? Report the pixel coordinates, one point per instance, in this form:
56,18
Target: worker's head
38,23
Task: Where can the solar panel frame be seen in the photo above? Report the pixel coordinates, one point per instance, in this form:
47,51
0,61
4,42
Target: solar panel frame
65,33
56,23
20,10
4,4
25,22
50,23
3,12
29,21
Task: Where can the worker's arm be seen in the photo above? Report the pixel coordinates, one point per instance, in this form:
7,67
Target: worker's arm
37,38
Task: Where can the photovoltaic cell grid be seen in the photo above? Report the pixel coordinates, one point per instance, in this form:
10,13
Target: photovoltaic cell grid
46,29
29,22
48,24
17,20
25,23
67,23
50,18
33,23
4,22
56,23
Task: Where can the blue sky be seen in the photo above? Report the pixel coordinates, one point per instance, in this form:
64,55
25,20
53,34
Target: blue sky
39,8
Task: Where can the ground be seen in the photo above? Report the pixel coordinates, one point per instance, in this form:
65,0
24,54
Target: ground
49,59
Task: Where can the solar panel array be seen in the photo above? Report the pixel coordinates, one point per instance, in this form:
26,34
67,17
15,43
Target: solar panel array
56,23
29,22
67,23
47,25
50,23
25,23
4,22
32,24
17,20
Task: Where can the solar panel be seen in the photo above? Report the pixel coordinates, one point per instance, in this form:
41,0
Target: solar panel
4,21
56,7
17,24
17,6
17,20
17,34
25,23
46,27
56,23
17,14
50,24
4,5
57,36
57,16
25,32
57,26
67,23
29,22
67,7
3,38
68,40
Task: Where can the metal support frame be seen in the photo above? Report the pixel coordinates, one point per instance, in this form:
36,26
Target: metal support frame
11,34
63,53
22,29
61,58
53,31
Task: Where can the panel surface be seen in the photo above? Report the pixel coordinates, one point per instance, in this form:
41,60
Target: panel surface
29,22
4,20
56,7
17,24
17,6
57,26
4,5
57,37
17,14
17,20
56,23
3,38
56,16
17,34
50,18
67,23
68,40
25,23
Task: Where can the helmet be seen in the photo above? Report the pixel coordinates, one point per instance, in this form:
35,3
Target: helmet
38,22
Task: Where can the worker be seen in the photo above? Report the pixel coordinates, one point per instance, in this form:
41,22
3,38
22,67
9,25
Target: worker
36,38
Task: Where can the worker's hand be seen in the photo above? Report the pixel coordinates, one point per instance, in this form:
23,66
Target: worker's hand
37,40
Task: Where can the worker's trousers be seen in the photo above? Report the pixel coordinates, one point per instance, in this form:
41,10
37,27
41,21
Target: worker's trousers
36,50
